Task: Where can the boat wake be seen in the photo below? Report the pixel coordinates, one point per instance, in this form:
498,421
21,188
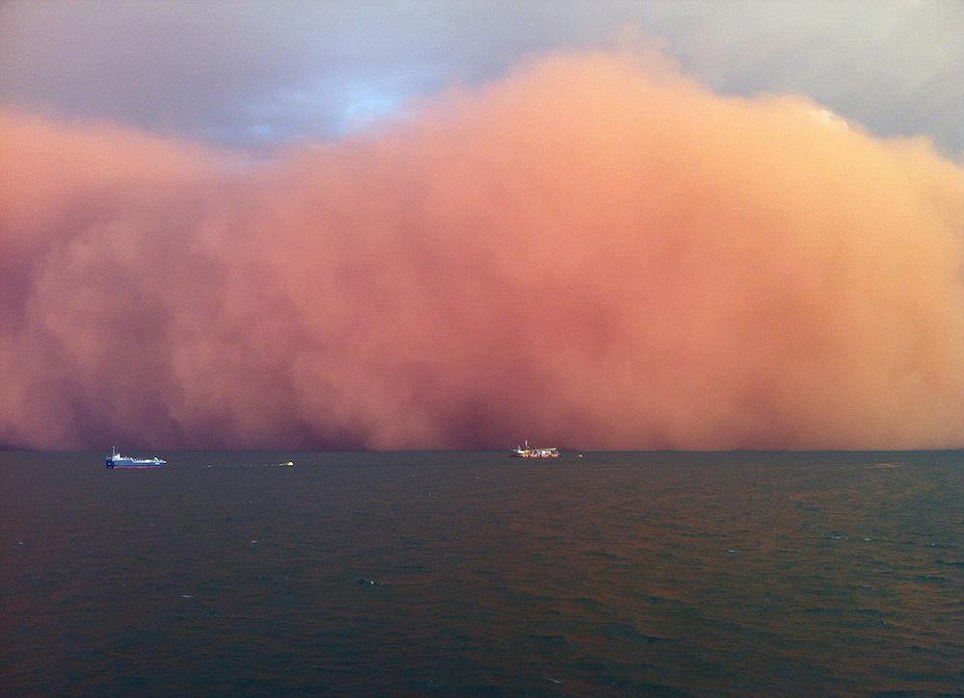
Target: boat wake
286,464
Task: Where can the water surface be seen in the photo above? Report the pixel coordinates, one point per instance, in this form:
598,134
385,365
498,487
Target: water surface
473,574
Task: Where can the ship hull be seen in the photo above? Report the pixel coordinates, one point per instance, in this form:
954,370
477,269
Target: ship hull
128,466
530,452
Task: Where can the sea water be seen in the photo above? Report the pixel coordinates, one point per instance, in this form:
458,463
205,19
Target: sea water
474,574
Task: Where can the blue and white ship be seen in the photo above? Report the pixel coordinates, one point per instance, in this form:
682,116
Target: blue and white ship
116,460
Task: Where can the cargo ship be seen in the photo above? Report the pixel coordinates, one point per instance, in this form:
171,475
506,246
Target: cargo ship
116,460
534,452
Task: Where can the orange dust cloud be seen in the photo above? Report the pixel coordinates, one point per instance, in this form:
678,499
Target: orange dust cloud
595,252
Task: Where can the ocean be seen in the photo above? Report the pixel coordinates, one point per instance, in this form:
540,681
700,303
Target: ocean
475,574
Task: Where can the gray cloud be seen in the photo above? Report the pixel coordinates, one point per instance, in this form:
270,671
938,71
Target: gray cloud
258,73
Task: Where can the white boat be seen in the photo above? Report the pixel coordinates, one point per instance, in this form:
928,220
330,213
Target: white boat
534,452
116,460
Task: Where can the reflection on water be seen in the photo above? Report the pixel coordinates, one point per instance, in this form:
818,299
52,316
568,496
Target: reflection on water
475,574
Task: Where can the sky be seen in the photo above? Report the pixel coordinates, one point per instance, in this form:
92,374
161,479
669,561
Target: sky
392,225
